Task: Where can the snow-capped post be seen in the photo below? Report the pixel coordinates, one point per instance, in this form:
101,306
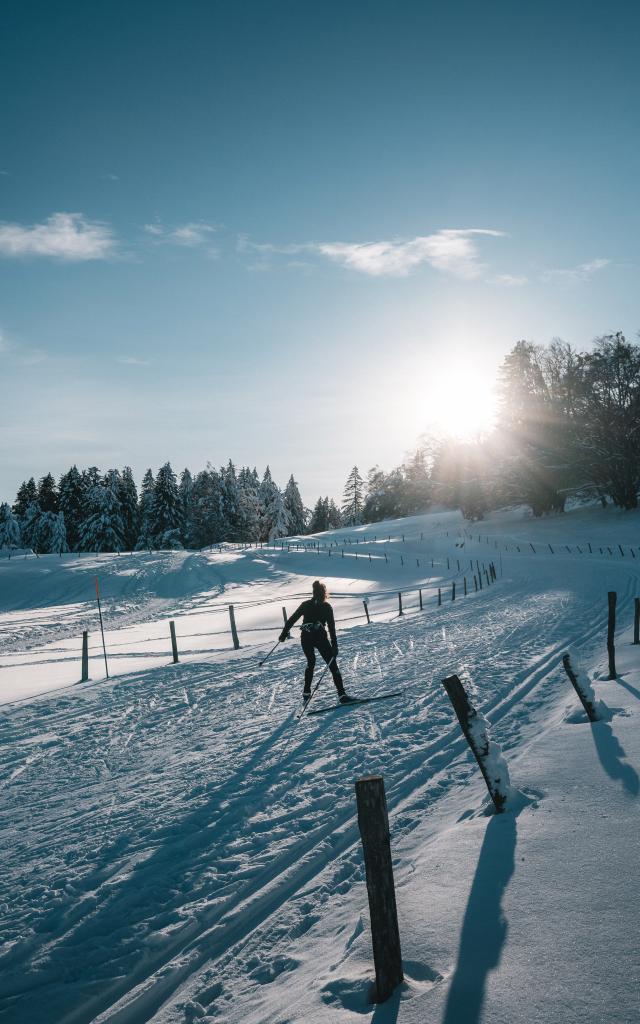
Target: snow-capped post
284,614
400,612
234,631
366,610
373,822
487,753
611,630
85,657
174,642
636,620
583,688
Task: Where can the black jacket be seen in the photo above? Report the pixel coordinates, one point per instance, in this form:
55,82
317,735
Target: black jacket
313,611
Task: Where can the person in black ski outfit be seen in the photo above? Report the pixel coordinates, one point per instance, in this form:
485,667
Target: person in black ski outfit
316,614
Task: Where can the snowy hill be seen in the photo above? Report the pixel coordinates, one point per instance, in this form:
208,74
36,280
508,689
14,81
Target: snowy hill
177,847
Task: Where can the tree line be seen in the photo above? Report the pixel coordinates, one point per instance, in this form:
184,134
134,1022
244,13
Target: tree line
87,510
568,425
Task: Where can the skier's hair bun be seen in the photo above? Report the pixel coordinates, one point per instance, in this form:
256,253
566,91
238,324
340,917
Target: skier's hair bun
319,590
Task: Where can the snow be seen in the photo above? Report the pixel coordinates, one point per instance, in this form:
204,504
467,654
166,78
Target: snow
176,847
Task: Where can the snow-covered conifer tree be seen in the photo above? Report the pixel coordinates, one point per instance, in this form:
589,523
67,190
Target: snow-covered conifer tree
352,498
27,495
185,490
71,496
128,494
294,507
146,513
104,529
9,529
167,510
51,534
29,526
48,494
248,495
267,504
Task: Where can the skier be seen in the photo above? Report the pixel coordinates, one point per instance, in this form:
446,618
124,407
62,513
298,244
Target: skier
317,613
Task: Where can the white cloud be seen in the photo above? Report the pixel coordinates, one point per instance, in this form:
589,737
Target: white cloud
452,251
583,272
133,361
190,235
64,236
508,280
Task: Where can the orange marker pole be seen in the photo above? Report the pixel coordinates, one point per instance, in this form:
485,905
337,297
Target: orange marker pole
101,627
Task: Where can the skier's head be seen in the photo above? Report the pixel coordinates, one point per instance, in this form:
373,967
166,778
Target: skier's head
319,591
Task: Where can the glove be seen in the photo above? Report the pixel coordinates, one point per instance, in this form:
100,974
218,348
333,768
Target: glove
334,648
283,636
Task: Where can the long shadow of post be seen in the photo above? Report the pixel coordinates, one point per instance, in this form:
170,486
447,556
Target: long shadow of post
484,929
610,751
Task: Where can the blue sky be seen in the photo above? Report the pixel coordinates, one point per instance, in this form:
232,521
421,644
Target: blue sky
300,233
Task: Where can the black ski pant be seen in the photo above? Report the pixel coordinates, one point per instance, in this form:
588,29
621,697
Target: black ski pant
318,640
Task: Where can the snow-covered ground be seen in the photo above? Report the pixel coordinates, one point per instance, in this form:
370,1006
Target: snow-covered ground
175,846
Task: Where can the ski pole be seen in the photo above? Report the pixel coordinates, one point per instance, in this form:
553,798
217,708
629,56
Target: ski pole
314,691
261,663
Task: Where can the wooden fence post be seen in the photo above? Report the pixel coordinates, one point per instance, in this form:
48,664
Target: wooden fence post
465,585
373,822
585,700
420,596
439,597
85,657
174,642
366,610
453,591
234,631
474,728
400,612
636,620
611,629
475,582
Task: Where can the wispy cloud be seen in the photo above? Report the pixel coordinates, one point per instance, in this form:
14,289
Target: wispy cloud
133,361
452,251
63,236
508,280
193,235
20,355
583,272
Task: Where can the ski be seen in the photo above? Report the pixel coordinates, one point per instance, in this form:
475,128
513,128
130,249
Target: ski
354,702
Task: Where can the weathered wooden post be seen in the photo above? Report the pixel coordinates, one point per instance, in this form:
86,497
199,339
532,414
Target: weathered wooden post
420,597
448,562
174,642
453,590
373,822
585,693
439,597
475,582
400,612
85,657
234,631
636,620
464,580
401,560
487,754
611,630
366,610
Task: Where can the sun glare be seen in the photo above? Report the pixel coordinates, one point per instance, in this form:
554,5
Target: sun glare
460,402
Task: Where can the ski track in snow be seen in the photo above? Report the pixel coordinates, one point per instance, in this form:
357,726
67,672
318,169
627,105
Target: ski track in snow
187,828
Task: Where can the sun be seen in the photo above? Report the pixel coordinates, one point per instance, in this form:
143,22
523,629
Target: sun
459,400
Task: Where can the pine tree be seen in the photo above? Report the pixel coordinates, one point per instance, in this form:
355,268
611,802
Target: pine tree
319,521
27,495
128,495
248,494
294,507
51,534
272,514
104,529
48,494
279,517
29,526
186,490
334,519
230,503
146,513
9,529
167,510
352,499
71,495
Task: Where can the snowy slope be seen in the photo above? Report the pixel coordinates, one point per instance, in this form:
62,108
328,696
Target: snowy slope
177,847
